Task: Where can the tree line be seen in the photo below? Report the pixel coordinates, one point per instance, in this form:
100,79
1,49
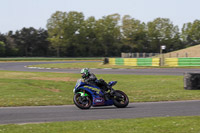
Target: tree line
71,35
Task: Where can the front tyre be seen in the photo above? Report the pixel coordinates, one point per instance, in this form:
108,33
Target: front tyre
82,102
120,99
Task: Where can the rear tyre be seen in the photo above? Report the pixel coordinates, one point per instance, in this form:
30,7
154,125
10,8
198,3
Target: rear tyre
82,102
120,99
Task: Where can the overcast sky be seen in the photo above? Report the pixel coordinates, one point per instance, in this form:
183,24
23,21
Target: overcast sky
16,14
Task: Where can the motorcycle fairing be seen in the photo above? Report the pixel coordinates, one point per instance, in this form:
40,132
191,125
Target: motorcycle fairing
112,83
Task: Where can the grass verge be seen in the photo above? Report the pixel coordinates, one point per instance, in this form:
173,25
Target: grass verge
189,124
46,59
41,88
101,66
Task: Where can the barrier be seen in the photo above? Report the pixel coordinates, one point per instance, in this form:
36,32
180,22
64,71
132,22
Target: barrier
111,61
192,81
182,61
155,61
130,62
194,61
189,61
135,61
171,61
119,61
144,61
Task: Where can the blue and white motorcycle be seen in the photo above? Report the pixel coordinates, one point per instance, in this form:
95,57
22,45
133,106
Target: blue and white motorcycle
86,96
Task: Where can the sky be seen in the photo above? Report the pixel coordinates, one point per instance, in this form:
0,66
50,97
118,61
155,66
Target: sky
16,14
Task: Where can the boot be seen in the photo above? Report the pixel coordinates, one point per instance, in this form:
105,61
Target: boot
112,91
104,95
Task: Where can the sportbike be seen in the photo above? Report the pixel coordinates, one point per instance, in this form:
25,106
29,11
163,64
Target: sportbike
86,96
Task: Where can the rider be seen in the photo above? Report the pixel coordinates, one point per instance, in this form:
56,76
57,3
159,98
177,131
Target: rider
91,79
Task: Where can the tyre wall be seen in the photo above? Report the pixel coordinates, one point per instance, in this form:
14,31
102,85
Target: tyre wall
182,61
195,61
135,61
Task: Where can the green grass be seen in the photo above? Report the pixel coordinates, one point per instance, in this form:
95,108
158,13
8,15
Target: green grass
140,125
47,59
41,88
25,88
100,66
74,65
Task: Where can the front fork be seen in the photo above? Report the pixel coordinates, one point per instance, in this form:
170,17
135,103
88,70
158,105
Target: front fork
83,94
83,97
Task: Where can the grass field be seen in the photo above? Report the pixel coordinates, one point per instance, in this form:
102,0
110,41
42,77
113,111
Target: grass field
139,125
41,88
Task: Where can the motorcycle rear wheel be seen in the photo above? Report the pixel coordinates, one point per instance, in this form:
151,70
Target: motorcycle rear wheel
82,102
120,99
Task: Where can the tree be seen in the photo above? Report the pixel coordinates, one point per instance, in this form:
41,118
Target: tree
134,35
73,33
55,26
11,46
26,40
41,45
109,35
2,44
30,42
161,31
2,49
191,33
88,39
9,42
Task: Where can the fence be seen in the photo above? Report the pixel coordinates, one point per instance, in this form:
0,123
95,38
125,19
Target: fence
139,55
154,55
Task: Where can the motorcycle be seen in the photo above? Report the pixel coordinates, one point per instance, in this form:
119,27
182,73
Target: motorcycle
86,96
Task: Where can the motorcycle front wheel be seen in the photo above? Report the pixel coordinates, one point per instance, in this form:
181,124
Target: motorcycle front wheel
120,99
82,102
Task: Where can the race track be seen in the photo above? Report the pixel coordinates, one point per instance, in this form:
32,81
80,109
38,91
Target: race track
71,112
20,66
68,113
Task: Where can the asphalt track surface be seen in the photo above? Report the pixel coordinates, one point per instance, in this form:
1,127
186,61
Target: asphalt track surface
20,66
37,114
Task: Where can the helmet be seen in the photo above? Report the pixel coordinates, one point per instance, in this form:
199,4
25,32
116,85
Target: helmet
85,72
